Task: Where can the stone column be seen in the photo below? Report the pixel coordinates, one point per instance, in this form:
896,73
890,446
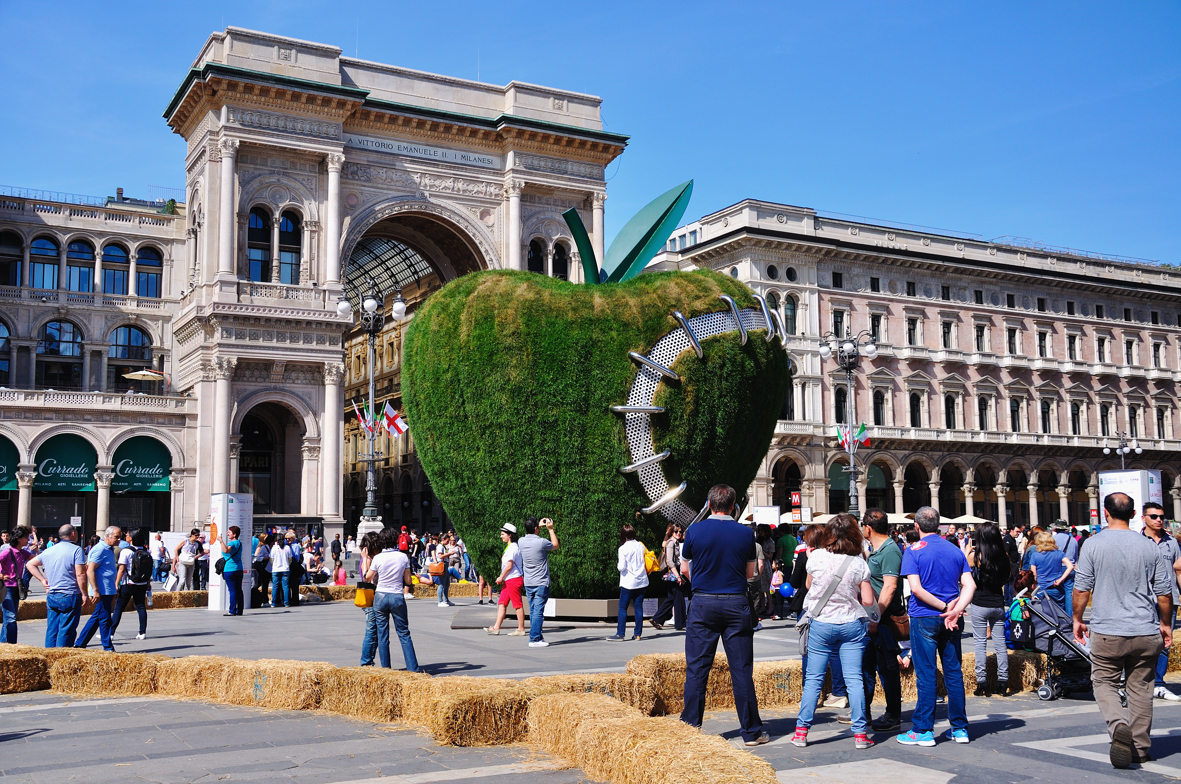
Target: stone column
898,505
222,422
61,267
969,499
934,487
1175,493
309,484
106,358
102,479
1064,502
597,238
331,440
25,476
226,218
276,219
1002,492
1031,488
98,277
512,229
132,277
1093,497
86,351
26,273
32,365
190,256
332,220
176,515
235,451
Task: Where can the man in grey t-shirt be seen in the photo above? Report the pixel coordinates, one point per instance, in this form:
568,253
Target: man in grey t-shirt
1133,600
535,564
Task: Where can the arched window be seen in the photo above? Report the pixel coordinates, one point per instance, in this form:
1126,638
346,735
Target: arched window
773,301
789,315
949,412
1046,409
840,399
1076,420
1104,420
59,351
116,267
536,261
258,245
130,351
43,254
149,262
982,412
879,407
5,355
290,246
561,262
1015,415
79,266
130,343
916,410
11,251
1133,422
407,500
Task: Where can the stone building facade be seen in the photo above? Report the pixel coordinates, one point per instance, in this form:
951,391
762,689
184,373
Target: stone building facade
1003,370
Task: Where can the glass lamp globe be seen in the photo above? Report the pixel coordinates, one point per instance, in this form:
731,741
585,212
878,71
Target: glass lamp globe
1107,450
848,347
871,351
343,308
398,309
825,351
370,305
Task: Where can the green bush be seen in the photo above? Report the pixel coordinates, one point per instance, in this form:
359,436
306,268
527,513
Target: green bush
507,381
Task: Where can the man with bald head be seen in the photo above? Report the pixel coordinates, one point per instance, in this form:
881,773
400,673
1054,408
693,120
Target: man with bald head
101,567
62,570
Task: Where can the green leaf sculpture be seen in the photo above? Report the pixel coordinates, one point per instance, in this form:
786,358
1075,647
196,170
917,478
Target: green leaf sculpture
640,239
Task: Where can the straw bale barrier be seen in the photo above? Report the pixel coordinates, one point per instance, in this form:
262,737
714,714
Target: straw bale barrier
371,693
612,742
456,591
194,677
21,672
125,673
667,671
274,683
31,610
634,690
495,716
778,683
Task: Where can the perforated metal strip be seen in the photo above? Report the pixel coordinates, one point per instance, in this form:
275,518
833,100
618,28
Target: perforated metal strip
643,393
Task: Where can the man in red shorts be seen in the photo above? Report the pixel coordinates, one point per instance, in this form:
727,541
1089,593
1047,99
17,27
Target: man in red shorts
512,582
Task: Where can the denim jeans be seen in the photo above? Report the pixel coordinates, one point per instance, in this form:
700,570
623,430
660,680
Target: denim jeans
279,588
369,642
847,642
62,613
100,619
982,618
836,675
234,588
12,600
634,596
929,638
444,586
156,574
385,606
537,595
1162,661
138,594
727,618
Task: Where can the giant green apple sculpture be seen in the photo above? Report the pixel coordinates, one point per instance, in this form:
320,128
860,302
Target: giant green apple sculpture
509,381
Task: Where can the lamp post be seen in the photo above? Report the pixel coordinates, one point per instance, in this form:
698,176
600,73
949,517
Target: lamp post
372,319
849,349
1124,448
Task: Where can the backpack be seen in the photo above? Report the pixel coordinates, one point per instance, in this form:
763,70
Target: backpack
404,541
142,566
651,562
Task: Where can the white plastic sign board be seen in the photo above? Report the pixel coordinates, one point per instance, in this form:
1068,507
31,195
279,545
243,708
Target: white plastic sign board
767,514
806,514
1142,485
226,509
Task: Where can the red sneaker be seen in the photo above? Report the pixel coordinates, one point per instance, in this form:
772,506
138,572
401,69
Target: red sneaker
800,738
862,741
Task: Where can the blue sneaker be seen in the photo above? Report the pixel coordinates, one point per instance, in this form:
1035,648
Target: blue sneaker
913,738
959,736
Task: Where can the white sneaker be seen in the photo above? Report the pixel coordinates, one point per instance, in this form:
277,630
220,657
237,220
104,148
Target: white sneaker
834,701
1161,693
443,604
539,644
141,636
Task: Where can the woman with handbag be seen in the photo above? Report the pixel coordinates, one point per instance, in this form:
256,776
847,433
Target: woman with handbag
184,564
991,568
370,546
438,570
836,622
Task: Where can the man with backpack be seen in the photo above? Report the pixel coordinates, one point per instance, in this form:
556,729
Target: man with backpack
135,581
404,542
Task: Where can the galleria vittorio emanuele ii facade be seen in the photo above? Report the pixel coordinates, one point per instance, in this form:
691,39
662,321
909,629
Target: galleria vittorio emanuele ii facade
1003,371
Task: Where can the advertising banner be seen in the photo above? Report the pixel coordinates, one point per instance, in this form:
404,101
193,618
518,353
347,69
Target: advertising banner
9,458
1143,486
65,463
141,464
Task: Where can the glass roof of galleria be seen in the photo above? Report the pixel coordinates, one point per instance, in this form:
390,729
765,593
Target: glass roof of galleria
391,264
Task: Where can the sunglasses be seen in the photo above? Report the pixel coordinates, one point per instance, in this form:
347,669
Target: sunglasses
1155,516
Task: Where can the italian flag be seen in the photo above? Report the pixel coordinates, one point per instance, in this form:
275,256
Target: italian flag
846,434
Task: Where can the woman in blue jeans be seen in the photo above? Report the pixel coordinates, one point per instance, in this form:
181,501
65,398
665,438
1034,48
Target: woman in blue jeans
390,569
633,579
369,548
839,592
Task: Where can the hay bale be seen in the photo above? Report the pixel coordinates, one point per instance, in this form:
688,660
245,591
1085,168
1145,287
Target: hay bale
633,690
274,683
321,592
370,693
31,610
342,593
610,741
21,672
667,671
494,716
127,673
778,683
194,677
456,591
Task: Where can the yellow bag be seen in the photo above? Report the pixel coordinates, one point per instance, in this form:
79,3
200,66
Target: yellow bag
364,595
651,562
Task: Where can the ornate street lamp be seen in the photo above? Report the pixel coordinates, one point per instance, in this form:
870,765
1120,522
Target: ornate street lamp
849,349
1124,448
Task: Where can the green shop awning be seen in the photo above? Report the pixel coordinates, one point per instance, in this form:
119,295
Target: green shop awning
9,458
65,463
141,463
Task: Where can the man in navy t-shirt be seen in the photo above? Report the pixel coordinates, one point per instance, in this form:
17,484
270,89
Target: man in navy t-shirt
941,588
723,558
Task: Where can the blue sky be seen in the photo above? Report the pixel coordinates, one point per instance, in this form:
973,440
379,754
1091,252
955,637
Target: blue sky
1056,122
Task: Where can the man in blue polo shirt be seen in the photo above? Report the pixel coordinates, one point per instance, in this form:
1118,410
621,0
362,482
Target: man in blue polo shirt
101,568
941,588
723,559
62,570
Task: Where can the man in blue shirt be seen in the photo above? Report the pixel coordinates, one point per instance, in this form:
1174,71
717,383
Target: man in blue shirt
62,570
101,568
723,559
941,588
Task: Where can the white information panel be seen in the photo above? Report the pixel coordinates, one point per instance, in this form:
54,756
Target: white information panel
225,510
1143,486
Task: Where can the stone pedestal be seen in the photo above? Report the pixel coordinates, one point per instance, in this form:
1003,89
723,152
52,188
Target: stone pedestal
367,525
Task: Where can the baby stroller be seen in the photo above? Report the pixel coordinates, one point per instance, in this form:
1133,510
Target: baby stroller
1068,664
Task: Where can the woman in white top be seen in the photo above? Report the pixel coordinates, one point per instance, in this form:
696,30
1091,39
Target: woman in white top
840,626
511,581
280,572
633,579
390,569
